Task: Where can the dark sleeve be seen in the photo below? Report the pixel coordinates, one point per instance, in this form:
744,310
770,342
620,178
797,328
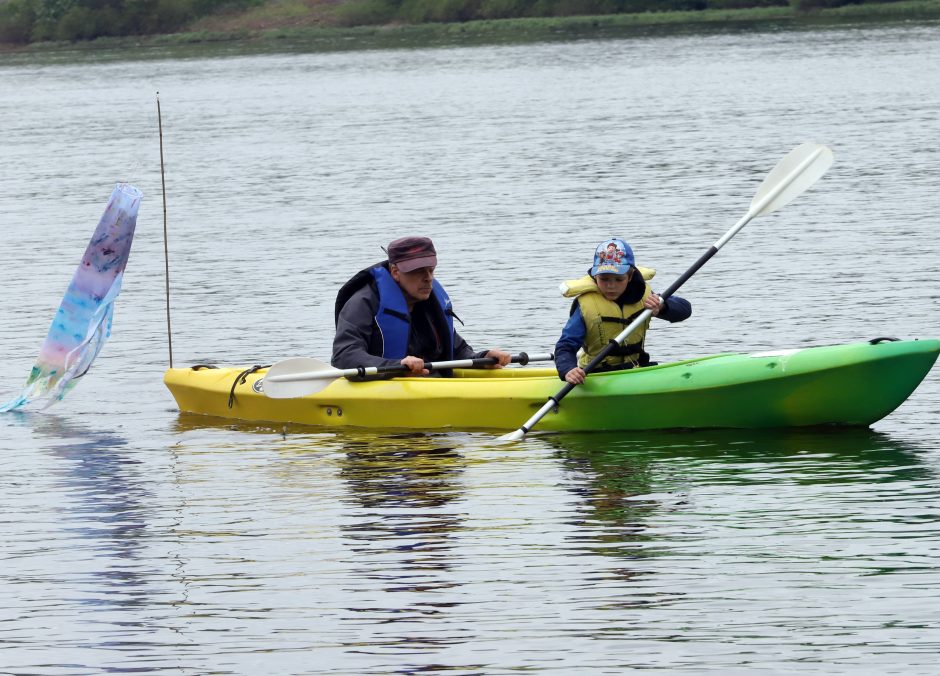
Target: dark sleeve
572,338
354,342
462,349
675,309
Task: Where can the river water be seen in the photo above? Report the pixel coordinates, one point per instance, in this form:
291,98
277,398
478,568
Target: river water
136,538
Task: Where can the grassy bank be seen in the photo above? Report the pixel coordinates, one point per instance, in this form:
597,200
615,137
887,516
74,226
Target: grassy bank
284,24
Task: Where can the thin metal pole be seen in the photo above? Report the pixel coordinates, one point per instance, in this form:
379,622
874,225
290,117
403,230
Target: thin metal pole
166,248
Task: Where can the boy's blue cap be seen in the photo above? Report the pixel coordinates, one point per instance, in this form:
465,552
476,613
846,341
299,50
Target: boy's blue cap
612,257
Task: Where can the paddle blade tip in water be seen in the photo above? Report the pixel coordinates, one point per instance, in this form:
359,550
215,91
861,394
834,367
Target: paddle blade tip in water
515,435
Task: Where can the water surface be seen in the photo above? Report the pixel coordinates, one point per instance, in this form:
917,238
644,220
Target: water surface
139,538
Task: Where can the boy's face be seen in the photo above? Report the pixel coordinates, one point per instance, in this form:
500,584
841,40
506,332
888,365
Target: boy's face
612,286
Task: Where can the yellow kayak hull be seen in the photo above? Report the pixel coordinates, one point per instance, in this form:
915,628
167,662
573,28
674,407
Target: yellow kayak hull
853,384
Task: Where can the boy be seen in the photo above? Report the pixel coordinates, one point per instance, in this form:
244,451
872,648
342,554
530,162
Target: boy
607,299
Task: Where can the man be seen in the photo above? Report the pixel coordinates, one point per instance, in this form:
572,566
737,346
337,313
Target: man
396,312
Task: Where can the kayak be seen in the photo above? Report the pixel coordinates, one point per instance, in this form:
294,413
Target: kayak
853,384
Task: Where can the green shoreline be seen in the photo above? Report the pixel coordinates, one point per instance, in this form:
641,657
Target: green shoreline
511,31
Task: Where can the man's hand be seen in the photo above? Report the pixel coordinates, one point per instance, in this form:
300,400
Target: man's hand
415,366
501,356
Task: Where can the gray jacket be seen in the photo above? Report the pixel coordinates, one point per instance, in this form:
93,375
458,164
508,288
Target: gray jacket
358,341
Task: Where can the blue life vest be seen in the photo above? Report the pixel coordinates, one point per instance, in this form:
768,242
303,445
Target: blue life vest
393,319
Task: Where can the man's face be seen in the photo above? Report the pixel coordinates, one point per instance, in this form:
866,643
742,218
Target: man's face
416,285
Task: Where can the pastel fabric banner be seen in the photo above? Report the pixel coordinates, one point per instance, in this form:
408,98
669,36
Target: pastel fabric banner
82,323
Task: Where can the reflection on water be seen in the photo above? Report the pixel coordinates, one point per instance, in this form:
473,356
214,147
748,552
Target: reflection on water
105,518
401,489
408,550
193,422
612,485
405,470
632,483
620,476
106,506
402,523
824,455
382,514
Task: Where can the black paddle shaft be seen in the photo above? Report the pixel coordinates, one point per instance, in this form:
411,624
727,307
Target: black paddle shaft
521,358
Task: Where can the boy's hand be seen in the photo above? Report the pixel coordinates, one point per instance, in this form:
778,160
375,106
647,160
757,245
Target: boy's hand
653,302
575,376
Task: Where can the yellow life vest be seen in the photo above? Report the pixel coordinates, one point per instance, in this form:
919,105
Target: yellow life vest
604,320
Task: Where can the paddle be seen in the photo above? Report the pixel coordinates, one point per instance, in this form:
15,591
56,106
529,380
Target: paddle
300,376
796,172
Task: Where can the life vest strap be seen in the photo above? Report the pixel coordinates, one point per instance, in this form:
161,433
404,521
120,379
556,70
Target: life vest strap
621,350
395,313
623,321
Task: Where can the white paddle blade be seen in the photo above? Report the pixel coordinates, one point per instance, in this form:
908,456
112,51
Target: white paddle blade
515,435
298,377
796,172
